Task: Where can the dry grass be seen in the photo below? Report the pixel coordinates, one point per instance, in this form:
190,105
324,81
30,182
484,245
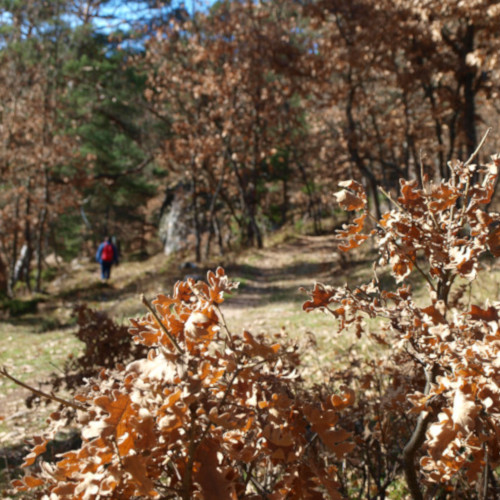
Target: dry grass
268,301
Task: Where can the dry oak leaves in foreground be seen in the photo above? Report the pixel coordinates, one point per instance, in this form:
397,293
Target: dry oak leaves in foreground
451,345
207,414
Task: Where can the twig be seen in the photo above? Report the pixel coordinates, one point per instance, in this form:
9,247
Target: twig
56,367
76,406
390,198
467,182
161,325
17,414
422,174
474,154
224,324
413,261
199,295
261,489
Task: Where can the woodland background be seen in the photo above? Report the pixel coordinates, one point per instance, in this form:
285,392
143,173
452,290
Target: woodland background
208,133
222,123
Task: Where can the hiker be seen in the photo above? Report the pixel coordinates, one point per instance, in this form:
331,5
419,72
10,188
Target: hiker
107,255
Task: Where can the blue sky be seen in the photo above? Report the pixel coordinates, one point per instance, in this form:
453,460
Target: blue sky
119,11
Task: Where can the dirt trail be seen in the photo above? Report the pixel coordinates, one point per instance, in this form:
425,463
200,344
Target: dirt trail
304,259
268,301
271,278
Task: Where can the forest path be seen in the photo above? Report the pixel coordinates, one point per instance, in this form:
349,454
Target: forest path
269,297
268,300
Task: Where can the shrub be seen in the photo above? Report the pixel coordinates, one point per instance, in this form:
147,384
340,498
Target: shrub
206,414
430,404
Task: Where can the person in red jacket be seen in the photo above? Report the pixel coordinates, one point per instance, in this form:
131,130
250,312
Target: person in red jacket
107,255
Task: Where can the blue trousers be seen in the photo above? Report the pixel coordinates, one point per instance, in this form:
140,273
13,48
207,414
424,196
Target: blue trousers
106,270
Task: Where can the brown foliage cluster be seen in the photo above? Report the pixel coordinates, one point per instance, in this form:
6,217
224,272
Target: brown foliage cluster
271,103
106,345
35,152
227,83
206,414
442,355
210,414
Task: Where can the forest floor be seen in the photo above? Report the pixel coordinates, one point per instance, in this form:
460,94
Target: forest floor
36,344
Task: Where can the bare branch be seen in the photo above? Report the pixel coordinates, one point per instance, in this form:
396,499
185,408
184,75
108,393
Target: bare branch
161,325
76,406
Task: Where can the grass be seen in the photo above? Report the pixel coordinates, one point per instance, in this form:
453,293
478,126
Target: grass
268,300
27,354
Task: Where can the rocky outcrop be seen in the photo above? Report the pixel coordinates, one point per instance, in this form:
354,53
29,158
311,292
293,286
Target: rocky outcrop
175,227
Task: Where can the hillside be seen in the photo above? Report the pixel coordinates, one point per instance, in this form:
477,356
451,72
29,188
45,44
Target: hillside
268,300
34,345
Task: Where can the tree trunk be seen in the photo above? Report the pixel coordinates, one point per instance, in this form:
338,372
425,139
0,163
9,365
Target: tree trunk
218,234
196,215
27,236
354,152
4,281
20,265
13,260
41,233
284,206
312,206
211,223
443,168
248,207
469,94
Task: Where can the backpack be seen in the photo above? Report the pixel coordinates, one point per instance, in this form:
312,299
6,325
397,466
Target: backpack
108,253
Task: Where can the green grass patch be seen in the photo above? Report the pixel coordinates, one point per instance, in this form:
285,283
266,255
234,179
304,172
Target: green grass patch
31,356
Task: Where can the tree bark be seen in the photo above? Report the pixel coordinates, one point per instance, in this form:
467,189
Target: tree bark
15,244
415,442
312,206
41,232
354,151
248,206
27,236
4,281
196,214
211,223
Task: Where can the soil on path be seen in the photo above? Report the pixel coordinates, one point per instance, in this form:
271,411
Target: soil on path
271,279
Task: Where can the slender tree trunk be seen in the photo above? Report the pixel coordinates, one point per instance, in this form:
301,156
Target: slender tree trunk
469,95
443,169
452,128
252,229
354,152
27,236
418,437
15,245
218,234
257,133
196,214
20,265
4,278
312,205
41,232
210,223
284,206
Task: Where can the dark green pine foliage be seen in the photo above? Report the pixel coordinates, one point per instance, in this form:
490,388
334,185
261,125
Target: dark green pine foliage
114,129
